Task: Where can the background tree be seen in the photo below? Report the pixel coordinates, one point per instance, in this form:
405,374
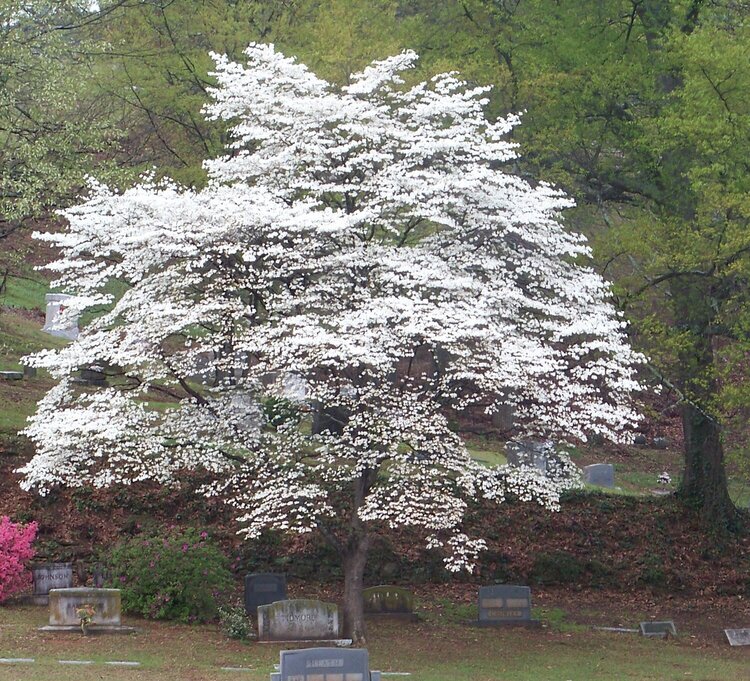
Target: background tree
349,232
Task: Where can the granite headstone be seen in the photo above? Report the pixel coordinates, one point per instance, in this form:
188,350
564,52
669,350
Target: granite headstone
324,664
600,474
298,620
388,600
503,604
263,588
55,323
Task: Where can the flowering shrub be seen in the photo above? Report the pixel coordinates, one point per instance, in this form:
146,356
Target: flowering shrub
234,622
176,575
15,551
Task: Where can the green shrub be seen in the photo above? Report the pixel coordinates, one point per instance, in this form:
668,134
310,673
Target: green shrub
174,575
557,568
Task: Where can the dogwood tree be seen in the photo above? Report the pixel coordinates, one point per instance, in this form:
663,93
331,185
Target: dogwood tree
366,244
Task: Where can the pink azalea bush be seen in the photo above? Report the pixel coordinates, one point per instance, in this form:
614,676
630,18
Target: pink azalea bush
15,551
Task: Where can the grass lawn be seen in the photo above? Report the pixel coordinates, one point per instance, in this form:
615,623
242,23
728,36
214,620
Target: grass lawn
439,649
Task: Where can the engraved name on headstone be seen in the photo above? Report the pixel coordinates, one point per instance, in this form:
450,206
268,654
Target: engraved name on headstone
263,588
504,604
48,576
63,604
324,664
298,620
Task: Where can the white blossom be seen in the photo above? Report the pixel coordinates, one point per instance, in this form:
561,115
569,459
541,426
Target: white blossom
346,233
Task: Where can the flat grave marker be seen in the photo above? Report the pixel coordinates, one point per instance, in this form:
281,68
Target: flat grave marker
738,637
658,629
263,588
505,605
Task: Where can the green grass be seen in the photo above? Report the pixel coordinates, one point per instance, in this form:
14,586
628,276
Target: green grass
25,293
431,651
488,457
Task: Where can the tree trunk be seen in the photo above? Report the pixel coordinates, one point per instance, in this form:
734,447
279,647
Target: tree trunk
355,559
704,483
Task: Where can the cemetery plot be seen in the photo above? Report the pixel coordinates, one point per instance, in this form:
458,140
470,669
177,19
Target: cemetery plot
601,474
65,606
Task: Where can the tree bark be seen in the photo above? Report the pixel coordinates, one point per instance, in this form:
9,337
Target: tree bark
355,560
704,483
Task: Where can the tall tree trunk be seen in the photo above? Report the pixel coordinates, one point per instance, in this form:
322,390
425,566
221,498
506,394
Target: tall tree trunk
704,482
355,559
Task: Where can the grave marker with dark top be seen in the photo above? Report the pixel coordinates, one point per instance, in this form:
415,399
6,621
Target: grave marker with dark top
658,629
503,605
389,601
263,588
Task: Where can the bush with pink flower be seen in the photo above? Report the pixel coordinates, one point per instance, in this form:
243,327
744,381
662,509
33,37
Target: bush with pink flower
173,574
15,552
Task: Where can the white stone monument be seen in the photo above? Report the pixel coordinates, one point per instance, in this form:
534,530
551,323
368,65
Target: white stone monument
53,323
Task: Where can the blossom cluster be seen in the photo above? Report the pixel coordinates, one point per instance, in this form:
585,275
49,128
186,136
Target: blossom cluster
367,242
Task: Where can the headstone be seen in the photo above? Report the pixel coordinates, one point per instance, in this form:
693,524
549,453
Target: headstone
93,376
29,372
324,664
63,604
298,620
504,416
394,601
100,576
52,323
601,474
11,375
738,637
529,453
48,576
640,440
658,629
262,589
503,604
660,443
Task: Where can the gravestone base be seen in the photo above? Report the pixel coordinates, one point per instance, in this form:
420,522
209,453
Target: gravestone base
338,642
526,624
91,630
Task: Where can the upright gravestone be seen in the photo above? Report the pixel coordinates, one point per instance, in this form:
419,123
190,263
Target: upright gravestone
504,605
46,576
389,601
262,589
738,637
600,474
324,664
534,453
658,629
298,620
64,605
53,322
